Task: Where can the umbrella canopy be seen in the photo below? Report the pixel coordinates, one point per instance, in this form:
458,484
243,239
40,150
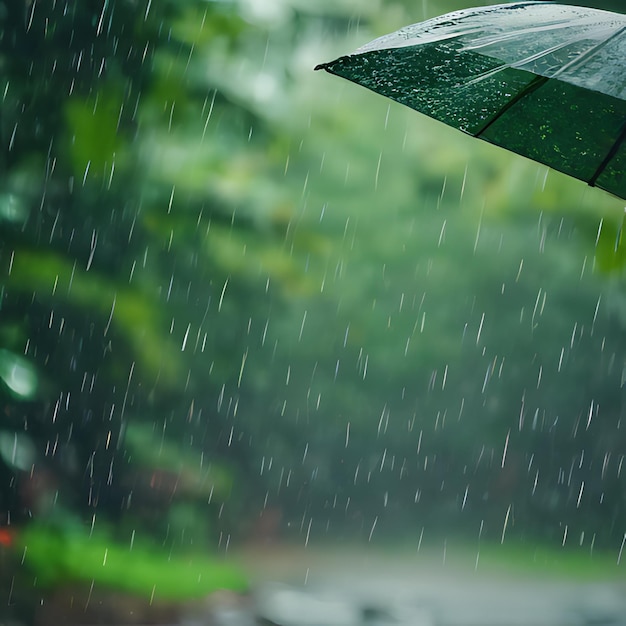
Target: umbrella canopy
544,80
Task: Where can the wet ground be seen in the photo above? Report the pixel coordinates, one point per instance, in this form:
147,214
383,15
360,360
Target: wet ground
361,587
370,588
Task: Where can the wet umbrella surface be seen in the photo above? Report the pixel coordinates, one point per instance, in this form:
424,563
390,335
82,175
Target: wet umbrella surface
543,80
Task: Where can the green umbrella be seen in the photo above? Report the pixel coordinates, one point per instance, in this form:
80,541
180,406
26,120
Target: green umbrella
544,80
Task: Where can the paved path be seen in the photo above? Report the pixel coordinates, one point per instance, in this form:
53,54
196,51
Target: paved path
366,588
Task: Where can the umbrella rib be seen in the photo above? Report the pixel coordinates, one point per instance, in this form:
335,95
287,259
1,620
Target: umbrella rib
585,56
610,154
533,85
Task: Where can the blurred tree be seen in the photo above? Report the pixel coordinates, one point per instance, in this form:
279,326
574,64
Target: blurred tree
242,288
126,283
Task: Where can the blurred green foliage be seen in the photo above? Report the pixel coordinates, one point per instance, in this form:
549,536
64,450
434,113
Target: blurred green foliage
138,567
228,268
